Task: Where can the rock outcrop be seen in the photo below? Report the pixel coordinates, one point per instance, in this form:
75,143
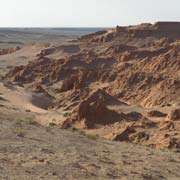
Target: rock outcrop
9,50
134,67
174,115
155,113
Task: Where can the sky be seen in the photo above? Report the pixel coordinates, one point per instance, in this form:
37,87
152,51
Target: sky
86,13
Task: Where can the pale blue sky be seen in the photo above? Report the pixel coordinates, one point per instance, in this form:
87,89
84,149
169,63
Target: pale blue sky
86,13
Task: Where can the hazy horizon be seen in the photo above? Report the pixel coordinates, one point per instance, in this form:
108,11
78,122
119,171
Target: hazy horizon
84,13
55,27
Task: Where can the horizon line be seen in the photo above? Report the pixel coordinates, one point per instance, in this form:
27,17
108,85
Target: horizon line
3,27
103,27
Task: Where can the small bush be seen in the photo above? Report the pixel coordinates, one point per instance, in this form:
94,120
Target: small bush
28,121
82,133
66,114
48,129
89,136
53,120
19,133
73,129
19,122
52,124
31,122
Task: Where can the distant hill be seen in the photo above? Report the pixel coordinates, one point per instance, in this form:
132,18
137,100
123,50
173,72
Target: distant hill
10,37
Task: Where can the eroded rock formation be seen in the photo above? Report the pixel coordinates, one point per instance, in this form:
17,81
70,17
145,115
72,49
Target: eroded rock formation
133,65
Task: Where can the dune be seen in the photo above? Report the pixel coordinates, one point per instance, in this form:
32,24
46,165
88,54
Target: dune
26,100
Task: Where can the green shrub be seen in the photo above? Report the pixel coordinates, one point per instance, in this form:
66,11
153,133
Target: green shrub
89,136
19,132
19,122
29,121
52,124
66,114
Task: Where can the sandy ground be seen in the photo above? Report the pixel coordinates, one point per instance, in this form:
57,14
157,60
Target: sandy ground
20,57
29,151
23,100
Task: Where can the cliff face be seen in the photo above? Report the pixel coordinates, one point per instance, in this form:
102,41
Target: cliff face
8,50
140,63
135,64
